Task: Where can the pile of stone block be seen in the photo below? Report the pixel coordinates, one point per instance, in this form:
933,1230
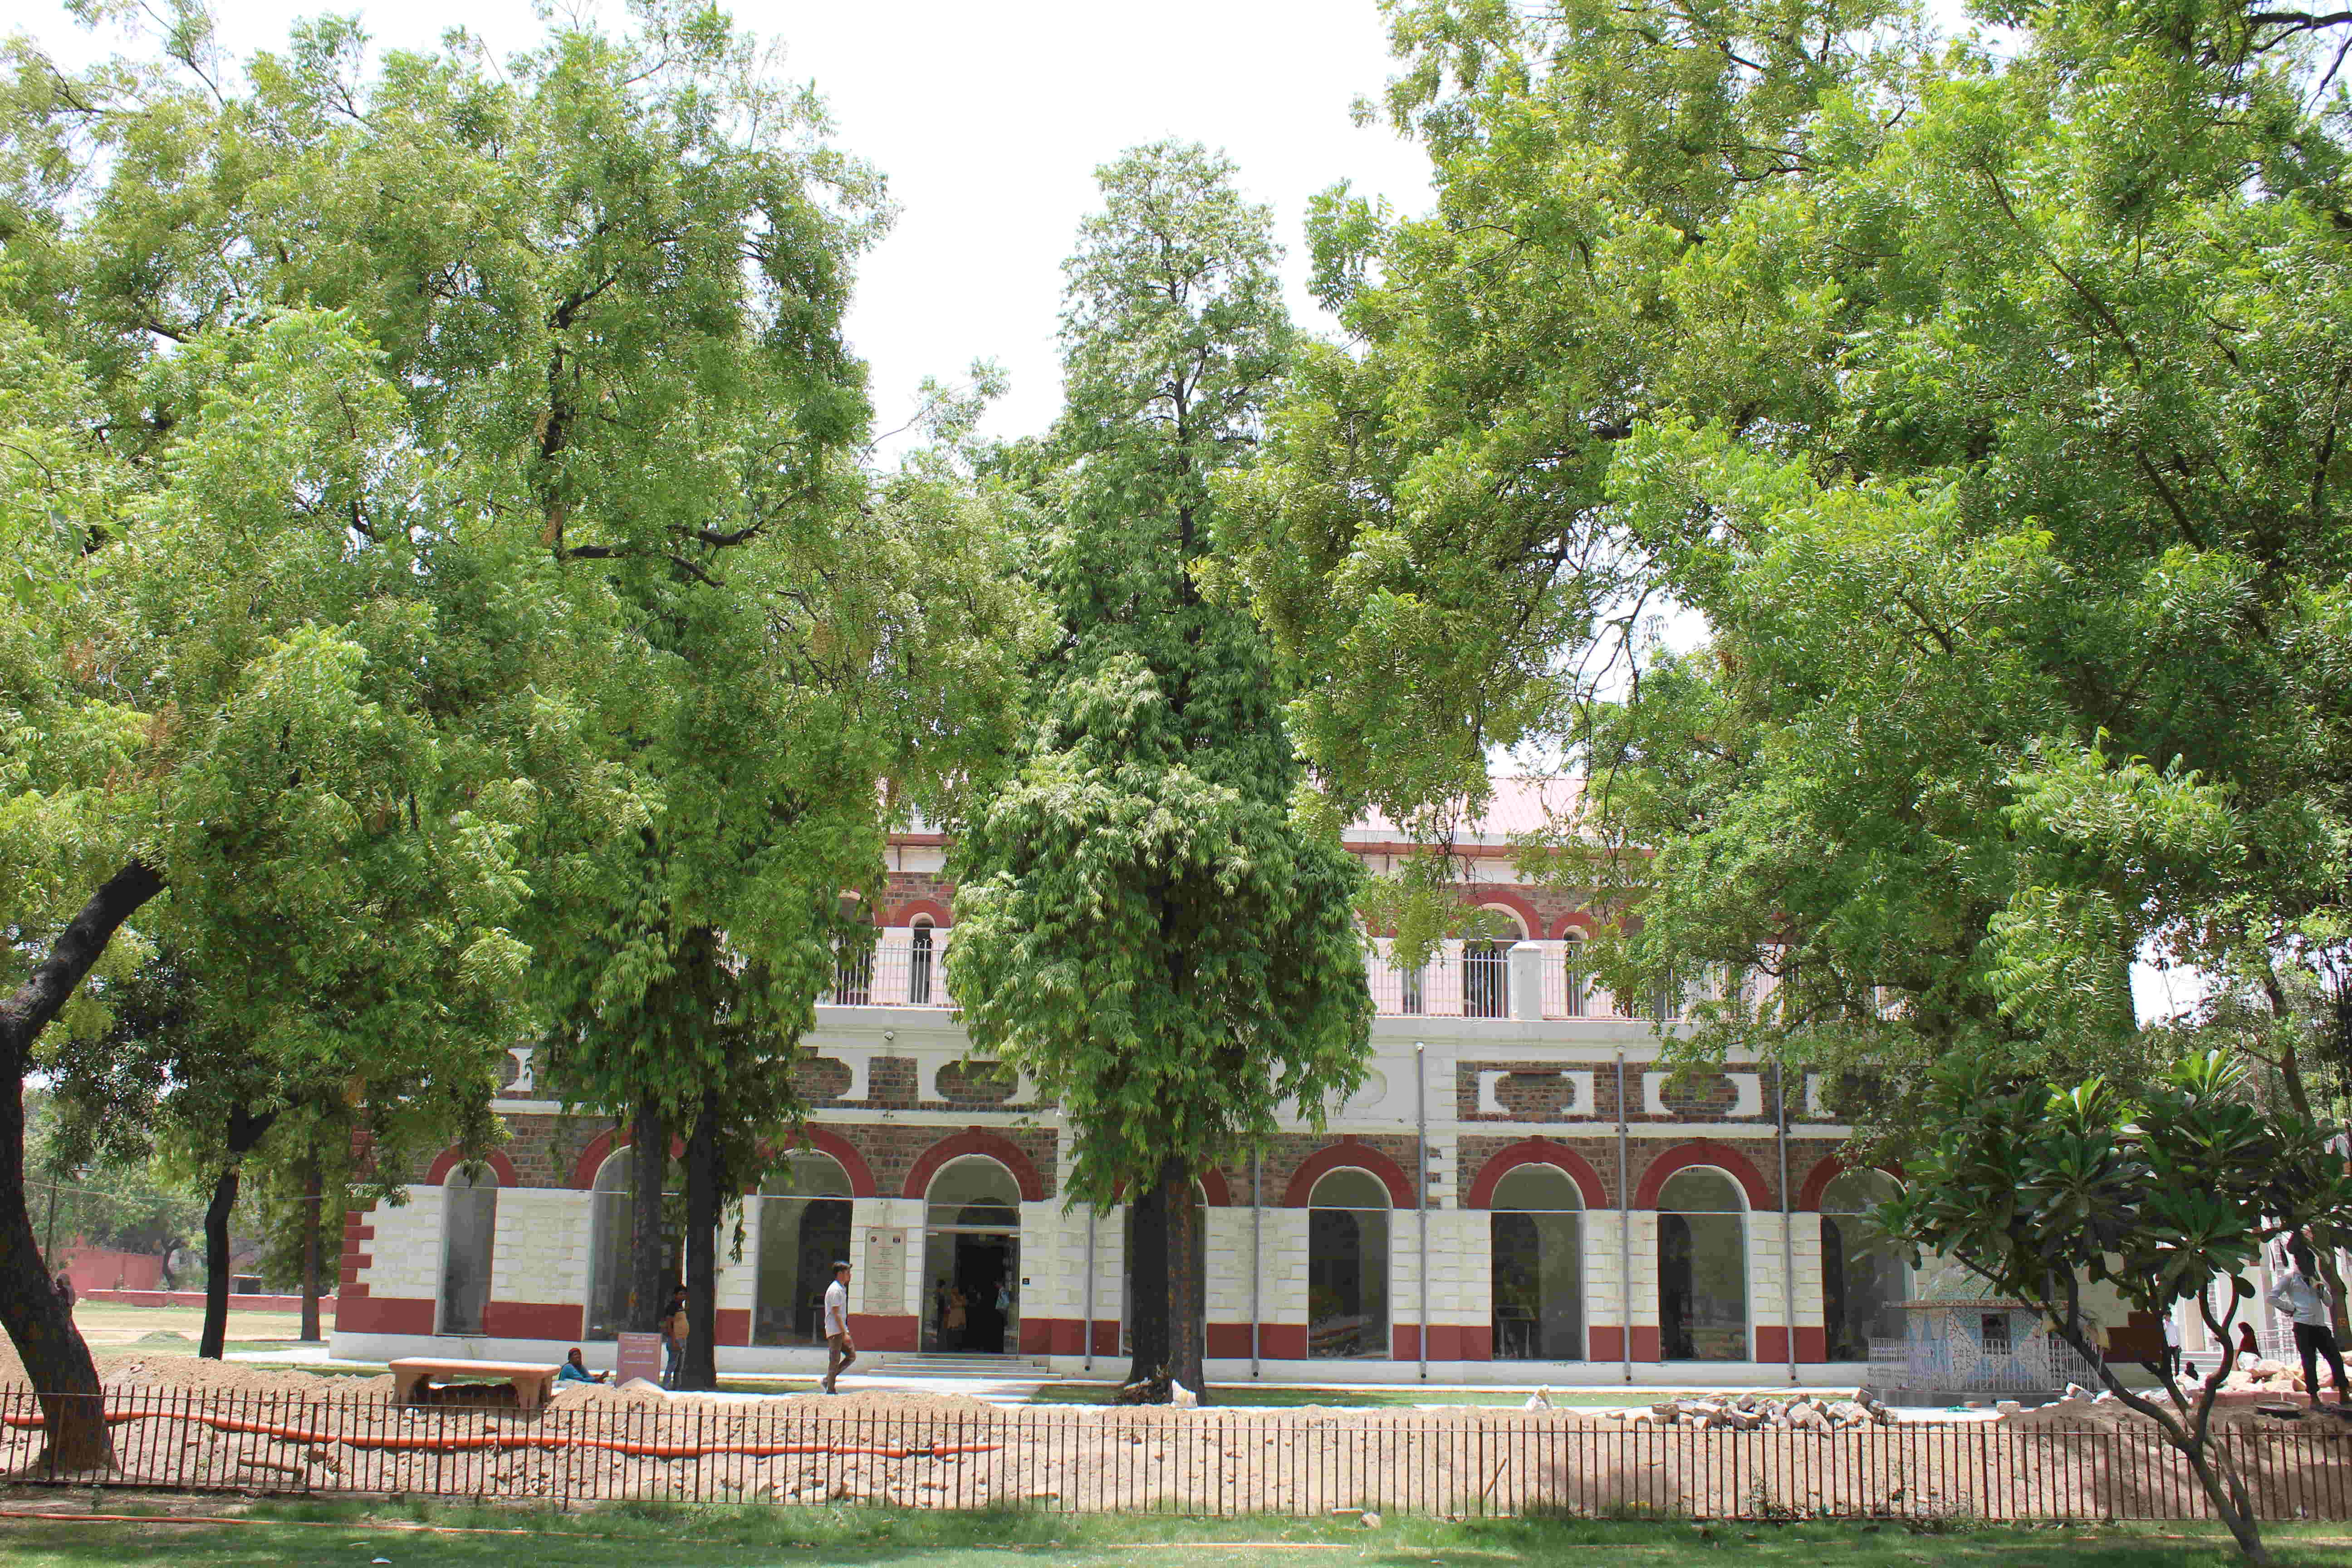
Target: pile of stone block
1750,1412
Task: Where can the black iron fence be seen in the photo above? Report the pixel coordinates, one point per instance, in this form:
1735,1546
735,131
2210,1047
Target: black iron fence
1208,1462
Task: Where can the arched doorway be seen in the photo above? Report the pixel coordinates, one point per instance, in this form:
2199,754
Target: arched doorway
1348,1265
1702,1267
611,1224
971,1259
1537,1232
469,1223
1863,1277
920,959
1200,1270
805,1222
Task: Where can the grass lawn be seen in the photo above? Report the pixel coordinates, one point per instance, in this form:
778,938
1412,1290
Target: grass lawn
298,1535
113,1326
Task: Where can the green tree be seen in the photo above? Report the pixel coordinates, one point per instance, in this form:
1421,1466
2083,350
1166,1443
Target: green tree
2046,1191
1144,921
1980,412
675,653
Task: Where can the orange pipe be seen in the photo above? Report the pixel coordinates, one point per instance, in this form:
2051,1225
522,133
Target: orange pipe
468,1442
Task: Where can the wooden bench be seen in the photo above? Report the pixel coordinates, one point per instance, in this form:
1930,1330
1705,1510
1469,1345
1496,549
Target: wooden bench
532,1383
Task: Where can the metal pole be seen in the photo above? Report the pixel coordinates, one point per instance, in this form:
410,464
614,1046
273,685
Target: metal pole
49,1246
1257,1229
1787,1246
1091,1289
1624,1233
1420,1187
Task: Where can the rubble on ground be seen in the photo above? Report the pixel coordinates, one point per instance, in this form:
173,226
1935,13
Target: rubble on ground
1750,1412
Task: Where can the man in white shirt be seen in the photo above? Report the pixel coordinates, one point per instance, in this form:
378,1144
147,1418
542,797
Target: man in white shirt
839,1352
2301,1296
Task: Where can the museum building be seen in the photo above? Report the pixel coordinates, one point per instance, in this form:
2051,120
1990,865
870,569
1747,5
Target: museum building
1519,1191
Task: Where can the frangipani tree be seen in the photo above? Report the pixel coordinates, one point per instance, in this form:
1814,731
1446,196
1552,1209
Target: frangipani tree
2046,1191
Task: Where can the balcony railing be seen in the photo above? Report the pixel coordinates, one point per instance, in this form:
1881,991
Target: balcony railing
908,968
1485,980
904,968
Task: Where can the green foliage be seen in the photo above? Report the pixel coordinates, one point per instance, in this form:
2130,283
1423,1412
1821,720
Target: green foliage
1143,922
2045,1190
1980,417
447,561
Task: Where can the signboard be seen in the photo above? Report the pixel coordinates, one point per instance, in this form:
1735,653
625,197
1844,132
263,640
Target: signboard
882,1281
640,1355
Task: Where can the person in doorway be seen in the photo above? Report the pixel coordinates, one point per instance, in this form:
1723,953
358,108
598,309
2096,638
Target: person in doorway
2303,1298
574,1370
951,1326
839,1352
674,1331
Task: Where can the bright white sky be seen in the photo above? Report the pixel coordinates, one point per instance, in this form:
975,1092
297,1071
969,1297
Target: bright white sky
989,120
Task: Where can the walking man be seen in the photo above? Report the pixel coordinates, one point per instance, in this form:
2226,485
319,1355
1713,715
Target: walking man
2302,1298
839,1352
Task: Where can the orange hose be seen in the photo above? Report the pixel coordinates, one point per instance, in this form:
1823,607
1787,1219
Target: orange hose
468,1442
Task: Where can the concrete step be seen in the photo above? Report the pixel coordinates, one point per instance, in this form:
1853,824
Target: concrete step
1026,1369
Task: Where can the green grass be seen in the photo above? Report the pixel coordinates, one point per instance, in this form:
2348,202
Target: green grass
629,1536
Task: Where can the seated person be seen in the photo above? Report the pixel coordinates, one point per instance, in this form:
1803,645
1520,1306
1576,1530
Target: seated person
574,1371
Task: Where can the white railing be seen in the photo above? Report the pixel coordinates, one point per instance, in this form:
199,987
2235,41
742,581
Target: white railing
1485,980
897,970
1473,980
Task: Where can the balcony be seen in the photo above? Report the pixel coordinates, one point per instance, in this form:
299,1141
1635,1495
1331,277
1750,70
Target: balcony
1527,979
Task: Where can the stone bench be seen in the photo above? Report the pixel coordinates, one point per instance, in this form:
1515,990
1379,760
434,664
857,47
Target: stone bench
533,1382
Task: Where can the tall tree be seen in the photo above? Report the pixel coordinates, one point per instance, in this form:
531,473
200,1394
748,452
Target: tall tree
1144,921
1983,411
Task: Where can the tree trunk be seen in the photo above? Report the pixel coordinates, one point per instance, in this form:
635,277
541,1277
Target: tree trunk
704,1180
245,1130
215,1342
1185,1332
648,1290
55,1359
313,1196
1147,1289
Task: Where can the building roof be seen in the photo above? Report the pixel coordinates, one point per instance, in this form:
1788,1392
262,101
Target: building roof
1518,805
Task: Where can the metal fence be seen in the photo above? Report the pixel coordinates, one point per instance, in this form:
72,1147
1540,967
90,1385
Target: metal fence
1203,1463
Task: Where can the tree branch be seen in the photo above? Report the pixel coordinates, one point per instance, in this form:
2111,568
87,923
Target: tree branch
78,948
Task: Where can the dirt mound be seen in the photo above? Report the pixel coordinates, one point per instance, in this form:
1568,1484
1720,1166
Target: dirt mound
911,1401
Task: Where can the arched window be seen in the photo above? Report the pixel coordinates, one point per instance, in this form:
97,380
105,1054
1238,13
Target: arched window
1348,1265
1577,987
1200,1272
919,964
971,1259
1486,967
1702,1267
469,1224
1863,1277
804,1212
1537,1231
612,1223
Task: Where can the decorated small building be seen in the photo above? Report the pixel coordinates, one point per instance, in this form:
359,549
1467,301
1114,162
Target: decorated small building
1520,1191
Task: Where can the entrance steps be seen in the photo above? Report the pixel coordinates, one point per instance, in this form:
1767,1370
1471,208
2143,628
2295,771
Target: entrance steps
991,1368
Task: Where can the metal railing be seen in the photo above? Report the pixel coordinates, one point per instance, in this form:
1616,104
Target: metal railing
897,971
1205,1463
1475,980
2042,1365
